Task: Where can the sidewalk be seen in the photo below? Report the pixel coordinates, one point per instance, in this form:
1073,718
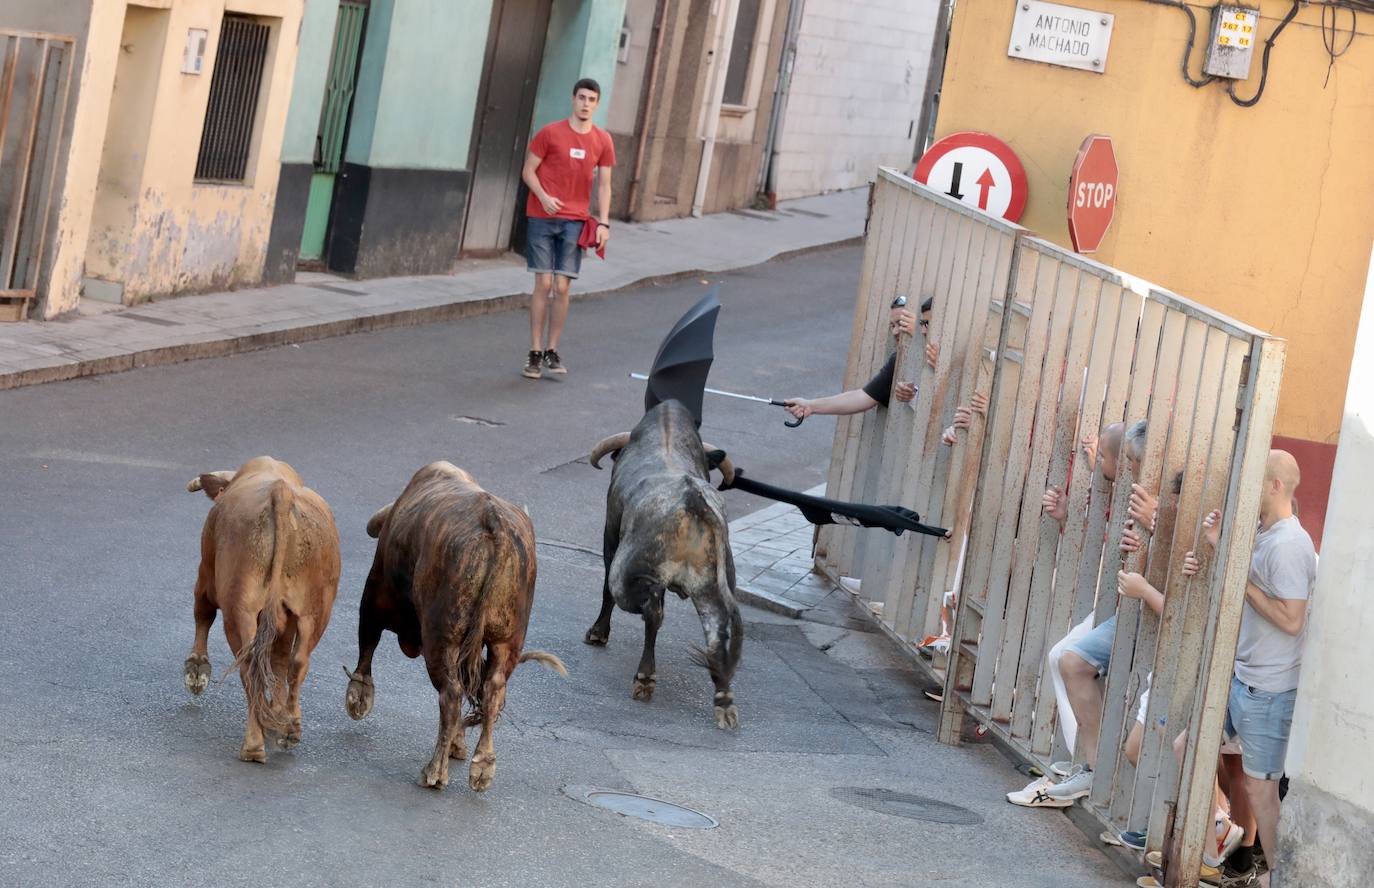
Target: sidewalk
107,339
774,569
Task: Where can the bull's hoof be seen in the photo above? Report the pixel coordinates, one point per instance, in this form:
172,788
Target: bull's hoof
597,635
458,749
481,772
644,687
292,735
253,754
358,697
435,776
727,717
197,670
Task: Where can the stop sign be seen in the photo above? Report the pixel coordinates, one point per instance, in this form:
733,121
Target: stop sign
1092,193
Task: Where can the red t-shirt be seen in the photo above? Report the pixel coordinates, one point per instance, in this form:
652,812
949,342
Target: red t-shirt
567,162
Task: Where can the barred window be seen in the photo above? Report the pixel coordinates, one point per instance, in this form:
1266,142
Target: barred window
227,137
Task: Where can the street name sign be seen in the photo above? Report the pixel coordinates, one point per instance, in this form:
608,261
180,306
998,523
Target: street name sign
978,169
1061,35
1092,193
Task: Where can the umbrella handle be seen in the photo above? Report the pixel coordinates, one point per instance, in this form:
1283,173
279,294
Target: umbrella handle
791,425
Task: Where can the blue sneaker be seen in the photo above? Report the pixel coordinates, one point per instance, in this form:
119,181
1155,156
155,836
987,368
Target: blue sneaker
1134,840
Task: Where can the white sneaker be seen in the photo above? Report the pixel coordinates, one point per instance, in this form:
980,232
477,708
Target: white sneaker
1062,769
1025,797
1229,837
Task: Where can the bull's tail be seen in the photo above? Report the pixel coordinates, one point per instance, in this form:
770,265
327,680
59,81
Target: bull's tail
720,618
498,560
547,659
259,679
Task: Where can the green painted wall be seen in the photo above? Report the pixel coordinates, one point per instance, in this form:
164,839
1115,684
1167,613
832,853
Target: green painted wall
307,89
582,41
421,70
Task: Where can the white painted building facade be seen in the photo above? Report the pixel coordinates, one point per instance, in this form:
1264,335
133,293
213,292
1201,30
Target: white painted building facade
855,93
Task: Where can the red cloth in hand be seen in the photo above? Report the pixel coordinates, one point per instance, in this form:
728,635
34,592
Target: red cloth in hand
587,240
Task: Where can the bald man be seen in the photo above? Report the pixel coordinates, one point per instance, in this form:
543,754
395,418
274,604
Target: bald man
1283,570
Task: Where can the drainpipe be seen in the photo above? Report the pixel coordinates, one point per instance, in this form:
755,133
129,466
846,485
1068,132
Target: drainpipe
767,186
935,78
650,93
725,42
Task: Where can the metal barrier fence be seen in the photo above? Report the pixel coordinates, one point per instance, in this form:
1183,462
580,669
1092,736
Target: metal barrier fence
1062,347
35,79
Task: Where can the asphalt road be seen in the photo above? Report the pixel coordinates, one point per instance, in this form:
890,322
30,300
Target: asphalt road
111,774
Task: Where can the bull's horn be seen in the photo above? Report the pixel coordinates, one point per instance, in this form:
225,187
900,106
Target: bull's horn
609,445
727,468
195,483
374,524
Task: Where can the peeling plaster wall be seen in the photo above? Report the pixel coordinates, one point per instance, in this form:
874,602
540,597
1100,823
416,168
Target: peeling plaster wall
187,236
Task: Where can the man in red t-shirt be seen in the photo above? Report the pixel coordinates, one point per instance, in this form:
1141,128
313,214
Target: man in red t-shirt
562,160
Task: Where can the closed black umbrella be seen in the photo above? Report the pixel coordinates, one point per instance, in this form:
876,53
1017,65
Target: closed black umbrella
684,358
819,510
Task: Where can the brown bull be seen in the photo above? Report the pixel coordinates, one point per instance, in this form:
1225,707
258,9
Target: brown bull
454,572
269,558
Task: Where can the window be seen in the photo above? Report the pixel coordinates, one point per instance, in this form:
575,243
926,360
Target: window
226,140
741,52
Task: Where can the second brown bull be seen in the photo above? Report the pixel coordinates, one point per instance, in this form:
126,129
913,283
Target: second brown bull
454,573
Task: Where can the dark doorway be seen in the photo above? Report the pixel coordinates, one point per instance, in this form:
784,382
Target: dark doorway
505,105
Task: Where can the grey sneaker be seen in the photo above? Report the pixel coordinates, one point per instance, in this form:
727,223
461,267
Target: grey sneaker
1062,795
553,363
534,366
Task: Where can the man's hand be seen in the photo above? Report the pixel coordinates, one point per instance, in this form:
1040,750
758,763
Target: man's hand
1132,585
550,204
932,353
980,403
603,235
1144,508
1211,528
1089,447
1055,504
1130,539
800,408
1192,565
904,391
950,436
902,321
963,418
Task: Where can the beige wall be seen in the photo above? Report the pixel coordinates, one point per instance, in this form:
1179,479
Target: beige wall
1263,213
132,213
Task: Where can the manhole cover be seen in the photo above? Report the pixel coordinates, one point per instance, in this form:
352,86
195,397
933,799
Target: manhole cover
902,804
650,809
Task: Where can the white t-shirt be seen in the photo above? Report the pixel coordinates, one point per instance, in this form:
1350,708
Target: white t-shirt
1284,566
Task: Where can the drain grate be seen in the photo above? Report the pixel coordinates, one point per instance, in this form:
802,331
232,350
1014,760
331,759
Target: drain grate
902,804
653,810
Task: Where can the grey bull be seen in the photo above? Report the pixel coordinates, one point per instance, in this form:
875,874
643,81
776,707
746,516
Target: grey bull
666,530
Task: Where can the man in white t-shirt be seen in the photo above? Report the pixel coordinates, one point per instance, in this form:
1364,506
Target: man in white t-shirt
1283,570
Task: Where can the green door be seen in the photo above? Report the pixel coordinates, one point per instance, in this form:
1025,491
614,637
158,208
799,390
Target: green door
329,140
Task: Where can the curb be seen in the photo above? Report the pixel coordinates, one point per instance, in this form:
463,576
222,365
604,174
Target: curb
764,601
409,317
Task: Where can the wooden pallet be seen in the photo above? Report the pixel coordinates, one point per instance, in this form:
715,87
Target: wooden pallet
14,304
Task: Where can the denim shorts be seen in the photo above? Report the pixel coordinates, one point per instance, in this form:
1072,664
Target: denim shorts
1096,646
551,246
1262,720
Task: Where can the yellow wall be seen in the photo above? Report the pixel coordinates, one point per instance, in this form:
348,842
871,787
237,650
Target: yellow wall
1263,213
132,212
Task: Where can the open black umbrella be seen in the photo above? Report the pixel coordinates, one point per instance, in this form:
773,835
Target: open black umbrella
819,510
684,358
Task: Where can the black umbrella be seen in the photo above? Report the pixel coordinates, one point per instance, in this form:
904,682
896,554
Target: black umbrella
819,510
684,358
